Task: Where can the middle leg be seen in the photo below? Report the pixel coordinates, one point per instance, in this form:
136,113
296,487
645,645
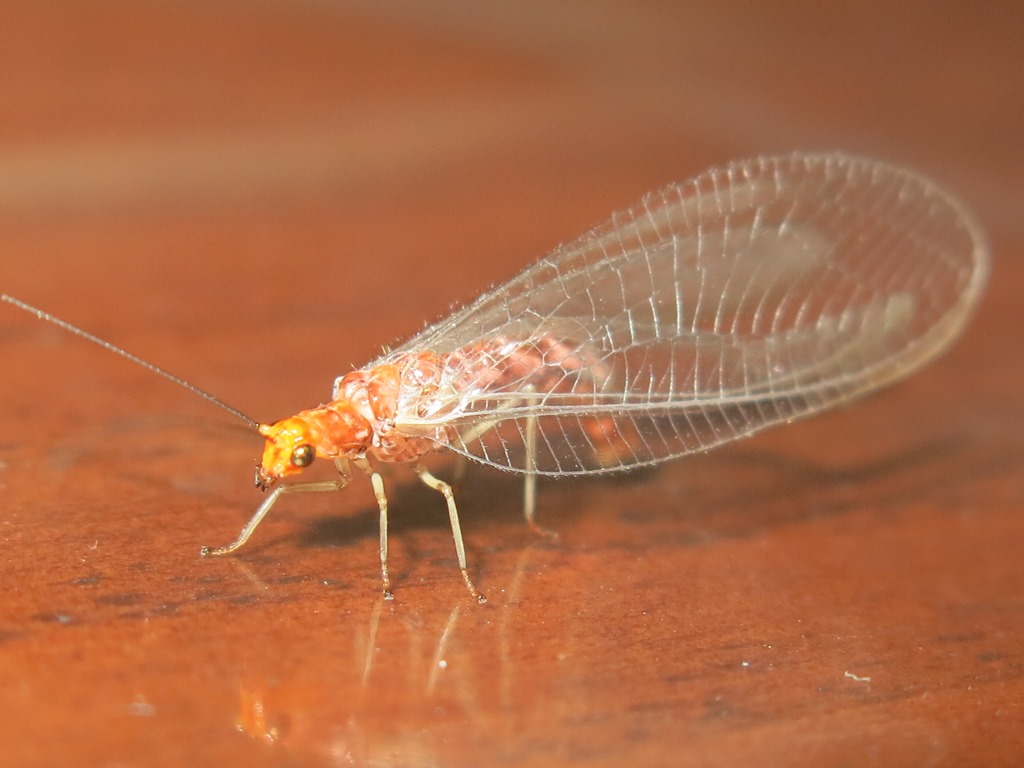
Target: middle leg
453,516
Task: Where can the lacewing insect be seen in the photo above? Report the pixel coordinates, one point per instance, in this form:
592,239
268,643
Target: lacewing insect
751,295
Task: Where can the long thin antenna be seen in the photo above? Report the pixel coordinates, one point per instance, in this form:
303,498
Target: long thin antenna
127,355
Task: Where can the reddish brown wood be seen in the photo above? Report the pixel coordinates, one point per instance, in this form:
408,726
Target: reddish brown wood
258,196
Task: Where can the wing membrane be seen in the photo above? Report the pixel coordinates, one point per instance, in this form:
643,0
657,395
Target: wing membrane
748,296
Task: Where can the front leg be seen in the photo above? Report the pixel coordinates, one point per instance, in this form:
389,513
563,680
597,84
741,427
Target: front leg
264,508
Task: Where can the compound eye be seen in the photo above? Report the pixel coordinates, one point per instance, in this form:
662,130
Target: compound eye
303,456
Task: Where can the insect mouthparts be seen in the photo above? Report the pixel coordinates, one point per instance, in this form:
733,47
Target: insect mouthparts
262,480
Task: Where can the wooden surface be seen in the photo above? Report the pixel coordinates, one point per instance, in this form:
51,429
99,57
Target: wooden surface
257,196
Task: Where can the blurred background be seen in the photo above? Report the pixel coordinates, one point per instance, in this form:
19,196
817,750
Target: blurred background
259,195
194,159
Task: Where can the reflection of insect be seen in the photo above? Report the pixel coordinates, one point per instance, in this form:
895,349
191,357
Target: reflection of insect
751,295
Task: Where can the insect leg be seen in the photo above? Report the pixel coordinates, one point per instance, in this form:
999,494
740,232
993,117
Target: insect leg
530,479
256,519
453,515
377,482
459,470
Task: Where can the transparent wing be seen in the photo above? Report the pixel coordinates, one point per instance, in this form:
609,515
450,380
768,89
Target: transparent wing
750,295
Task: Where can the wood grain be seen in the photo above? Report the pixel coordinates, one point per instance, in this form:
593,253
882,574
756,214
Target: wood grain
259,196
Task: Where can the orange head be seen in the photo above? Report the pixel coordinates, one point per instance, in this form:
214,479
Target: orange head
290,448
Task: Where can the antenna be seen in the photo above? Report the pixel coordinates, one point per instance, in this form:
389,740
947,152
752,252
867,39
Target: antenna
127,355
